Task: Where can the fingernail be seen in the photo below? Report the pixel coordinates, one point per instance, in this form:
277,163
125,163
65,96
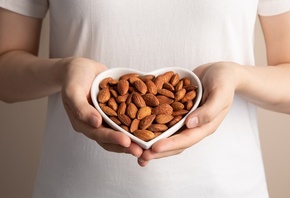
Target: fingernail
192,122
94,121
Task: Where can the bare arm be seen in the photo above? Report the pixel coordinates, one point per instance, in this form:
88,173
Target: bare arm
23,75
268,87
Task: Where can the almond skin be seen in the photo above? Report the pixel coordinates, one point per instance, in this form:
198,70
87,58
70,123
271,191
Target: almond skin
143,112
104,95
134,125
123,87
138,100
147,121
132,110
151,87
188,96
163,118
124,119
163,109
109,111
140,86
151,100
144,135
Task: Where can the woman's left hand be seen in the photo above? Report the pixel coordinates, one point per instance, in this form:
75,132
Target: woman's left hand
219,82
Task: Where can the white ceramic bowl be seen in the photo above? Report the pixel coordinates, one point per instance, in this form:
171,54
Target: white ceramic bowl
117,72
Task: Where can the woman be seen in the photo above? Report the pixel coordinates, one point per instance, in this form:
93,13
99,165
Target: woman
218,155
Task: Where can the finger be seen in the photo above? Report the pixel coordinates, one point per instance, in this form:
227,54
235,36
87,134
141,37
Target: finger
188,137
75,101
209,110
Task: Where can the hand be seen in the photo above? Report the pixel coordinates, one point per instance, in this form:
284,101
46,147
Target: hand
219,82
79,74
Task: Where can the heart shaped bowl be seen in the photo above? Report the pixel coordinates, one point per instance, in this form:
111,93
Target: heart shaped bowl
115,73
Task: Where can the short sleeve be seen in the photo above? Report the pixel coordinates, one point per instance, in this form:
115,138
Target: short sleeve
273,7
32,8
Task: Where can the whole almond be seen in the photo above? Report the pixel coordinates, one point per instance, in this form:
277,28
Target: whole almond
138,100
177,106
113,104
179,112
151,100
124,119
122,108
123,87
163,109
151,87
188,105
109,111
122,98
164,99
174,121
179,85
140,86
186,81
159,81
116,120
163,118
104,95
147,121
180,94
143,112
127,76
168,86
166,93
132,110
167,76
134,125
157,127
144,135
104,83
188,96
174,79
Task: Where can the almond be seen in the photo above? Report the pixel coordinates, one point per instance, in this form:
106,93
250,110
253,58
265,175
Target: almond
104,83
179,112
138,100
113,104
174,121
140,86
177,106
104,95
123,87
179,94
124,119
166,93
163,109
151,87
159,81
132,110
143,112
109,111
144,135
151,100
163,118
157,127
122,108
167,76
174,79
134,125
147,121
164,99
128,76
189,96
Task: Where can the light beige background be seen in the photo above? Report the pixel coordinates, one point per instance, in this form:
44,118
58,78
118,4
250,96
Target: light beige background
21,135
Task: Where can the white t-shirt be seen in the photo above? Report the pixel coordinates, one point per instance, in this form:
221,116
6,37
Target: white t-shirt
146,35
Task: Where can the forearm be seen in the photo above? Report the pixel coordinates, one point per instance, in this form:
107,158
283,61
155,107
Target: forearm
267,87
24,76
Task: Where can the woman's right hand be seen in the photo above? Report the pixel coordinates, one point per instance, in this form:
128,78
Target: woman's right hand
78,75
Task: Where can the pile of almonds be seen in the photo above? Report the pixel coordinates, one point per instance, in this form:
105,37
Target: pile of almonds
146,105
